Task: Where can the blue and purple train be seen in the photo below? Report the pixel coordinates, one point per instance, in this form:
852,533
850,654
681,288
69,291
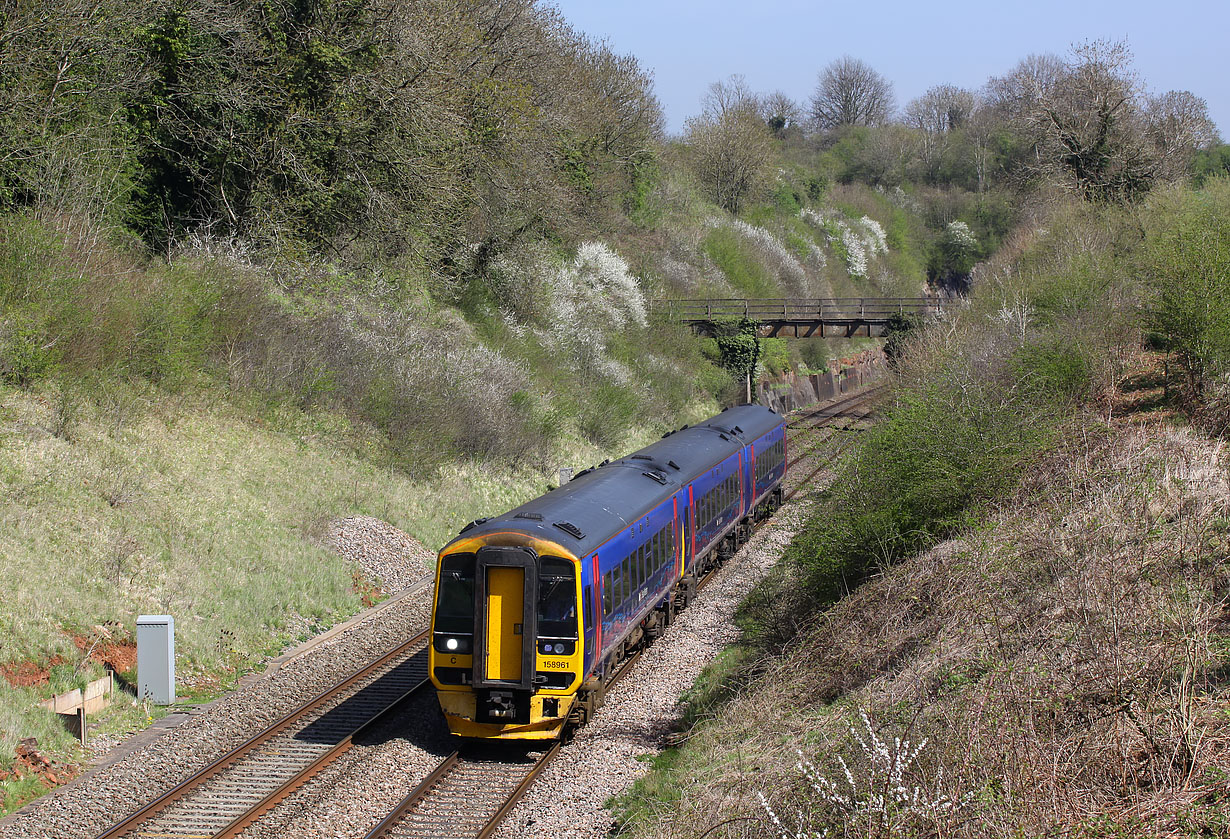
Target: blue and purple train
534,609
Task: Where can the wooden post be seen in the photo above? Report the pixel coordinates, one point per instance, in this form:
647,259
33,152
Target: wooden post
81,724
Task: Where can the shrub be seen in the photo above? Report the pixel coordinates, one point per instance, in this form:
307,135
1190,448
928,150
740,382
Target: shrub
959,432
1187,266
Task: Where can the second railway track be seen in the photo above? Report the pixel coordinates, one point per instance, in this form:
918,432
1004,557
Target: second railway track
232,793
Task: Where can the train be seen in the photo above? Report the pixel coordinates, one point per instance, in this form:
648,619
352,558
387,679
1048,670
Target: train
535,609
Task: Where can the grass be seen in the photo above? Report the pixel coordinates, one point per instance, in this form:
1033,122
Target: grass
747,274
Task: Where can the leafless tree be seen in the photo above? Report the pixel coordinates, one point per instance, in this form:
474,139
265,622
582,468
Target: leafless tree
780,112
850,92
1094,128
1178,125
1016,93
728,96
729,144
937,112
941,109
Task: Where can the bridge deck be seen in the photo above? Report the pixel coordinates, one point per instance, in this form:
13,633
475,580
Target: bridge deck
802,317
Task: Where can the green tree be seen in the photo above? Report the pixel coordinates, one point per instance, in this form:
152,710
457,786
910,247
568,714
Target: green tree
1187,266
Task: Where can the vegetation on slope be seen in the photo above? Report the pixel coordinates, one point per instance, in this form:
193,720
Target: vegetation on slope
1042,560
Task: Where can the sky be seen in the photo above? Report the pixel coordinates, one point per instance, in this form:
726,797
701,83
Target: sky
783,44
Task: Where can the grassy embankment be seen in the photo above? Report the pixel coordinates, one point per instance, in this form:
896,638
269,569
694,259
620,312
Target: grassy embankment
1039,526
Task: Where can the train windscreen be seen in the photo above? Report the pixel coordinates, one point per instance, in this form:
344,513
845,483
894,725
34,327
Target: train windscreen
557,598
455,604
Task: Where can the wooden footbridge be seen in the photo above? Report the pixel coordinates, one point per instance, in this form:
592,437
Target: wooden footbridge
841,317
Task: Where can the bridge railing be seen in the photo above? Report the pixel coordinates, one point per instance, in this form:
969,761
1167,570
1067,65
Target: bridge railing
800,309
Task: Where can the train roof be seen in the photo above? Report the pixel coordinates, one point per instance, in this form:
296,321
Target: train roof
598,503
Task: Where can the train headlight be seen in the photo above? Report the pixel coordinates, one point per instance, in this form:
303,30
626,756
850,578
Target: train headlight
559,649
452,644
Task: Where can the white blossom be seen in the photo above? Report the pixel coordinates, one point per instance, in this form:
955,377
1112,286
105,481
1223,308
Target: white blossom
960,234
879,795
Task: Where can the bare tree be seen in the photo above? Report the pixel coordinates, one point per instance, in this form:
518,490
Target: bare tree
728,96
779,112
1016,93
729,144
1179,125
941,109
850,92
1096,131
937,112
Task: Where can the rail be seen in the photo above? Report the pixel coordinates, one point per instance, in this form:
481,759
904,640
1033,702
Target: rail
798,309
228,795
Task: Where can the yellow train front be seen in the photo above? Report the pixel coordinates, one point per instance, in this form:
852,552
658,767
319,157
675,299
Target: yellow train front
535,609
506,656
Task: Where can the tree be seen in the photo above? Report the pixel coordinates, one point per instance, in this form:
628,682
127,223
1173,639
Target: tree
1092,127
729,144
939,111
779,112
850,92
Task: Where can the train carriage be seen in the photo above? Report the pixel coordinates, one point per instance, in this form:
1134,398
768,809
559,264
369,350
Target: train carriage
535,608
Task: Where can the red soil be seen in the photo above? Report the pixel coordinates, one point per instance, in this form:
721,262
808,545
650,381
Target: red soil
25,674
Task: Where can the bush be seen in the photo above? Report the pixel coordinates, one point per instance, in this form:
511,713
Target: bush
1187,266
971,408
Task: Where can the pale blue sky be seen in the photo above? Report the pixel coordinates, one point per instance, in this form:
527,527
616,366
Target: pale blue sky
782,44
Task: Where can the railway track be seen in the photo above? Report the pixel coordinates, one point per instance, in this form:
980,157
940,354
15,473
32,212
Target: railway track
471,791
856,407
226,797
849,407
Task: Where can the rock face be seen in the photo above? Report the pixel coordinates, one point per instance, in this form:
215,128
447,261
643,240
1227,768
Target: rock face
392,558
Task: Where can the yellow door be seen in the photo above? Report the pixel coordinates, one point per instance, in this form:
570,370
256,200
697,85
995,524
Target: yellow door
505,609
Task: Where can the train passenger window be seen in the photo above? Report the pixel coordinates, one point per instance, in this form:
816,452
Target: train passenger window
455,604
607,603
557,598
586,609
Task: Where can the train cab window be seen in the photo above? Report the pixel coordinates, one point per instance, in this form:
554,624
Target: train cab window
557,598
455,603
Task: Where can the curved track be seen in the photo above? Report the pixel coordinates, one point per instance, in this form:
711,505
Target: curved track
238,788
468,794
855,408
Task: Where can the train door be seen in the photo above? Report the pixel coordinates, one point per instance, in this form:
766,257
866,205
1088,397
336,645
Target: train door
506,585
505,627
687,535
